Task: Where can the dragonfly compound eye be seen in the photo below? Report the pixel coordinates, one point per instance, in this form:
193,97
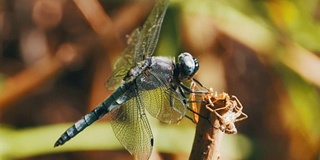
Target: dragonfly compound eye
187,65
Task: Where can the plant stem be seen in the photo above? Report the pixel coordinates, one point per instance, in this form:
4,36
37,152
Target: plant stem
207,138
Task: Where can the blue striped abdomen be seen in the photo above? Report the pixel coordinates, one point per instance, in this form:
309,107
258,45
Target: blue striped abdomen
116,99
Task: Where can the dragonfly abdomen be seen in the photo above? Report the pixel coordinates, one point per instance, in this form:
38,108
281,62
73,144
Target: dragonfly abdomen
80,125
116,99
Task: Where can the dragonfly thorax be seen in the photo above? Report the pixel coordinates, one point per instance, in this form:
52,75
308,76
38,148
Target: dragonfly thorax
137,70
187,66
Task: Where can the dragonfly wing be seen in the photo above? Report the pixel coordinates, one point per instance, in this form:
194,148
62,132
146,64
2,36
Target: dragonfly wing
125,62
141,44
132,129
163,102
150,31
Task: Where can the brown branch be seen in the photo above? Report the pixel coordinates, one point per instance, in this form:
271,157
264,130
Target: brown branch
220,112
207,138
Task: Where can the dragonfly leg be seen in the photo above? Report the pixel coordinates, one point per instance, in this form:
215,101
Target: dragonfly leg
182,89
182,92
189,90
199,83
191,119
192,97
201,116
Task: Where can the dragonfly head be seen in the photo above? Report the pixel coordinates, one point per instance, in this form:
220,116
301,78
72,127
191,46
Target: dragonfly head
187,66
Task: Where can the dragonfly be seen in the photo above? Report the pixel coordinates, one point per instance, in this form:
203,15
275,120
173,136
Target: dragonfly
142,82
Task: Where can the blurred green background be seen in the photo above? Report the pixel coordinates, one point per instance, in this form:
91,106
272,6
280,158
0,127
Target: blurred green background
56,55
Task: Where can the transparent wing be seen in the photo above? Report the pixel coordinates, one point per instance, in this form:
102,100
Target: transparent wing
140,44
132,128
125,62
163,103
150,31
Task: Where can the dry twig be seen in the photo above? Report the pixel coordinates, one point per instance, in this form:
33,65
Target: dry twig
222,111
